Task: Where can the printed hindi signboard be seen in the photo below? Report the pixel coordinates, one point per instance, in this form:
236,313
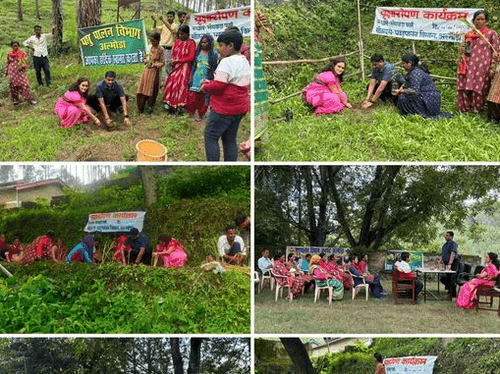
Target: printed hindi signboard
122,43
115,222
432,24
215,22
410,365
316,250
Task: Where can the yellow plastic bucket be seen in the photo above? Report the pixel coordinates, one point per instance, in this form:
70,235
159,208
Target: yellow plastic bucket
149,150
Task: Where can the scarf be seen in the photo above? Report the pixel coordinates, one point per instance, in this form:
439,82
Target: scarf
469,38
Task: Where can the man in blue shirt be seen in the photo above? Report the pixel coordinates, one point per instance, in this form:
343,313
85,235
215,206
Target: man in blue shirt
140,250
264,263
384,78
449,256
109,99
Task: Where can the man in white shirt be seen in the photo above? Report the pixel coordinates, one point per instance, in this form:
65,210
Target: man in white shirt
231,247
264,263
38,43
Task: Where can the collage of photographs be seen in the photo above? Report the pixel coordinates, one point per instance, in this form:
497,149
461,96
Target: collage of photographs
250,187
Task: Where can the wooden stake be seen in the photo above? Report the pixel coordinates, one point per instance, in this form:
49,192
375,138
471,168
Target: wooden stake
361,51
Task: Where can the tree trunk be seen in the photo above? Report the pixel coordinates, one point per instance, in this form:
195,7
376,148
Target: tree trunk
194,356
19,10
148,181
138,11
37,10
88,13
176,356
298,354
57,24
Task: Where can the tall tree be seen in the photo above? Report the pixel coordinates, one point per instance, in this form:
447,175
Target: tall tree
7,173
88,13
37,10
29,173
57,24
370,205
19,10
298,353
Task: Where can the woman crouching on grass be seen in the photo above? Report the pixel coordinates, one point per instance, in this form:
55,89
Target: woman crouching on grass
173,253
72,107
324,93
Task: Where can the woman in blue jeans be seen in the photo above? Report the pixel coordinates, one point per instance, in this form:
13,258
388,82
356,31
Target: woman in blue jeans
372,280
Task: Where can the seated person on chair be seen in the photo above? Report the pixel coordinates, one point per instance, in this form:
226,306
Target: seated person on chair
358,277
286,277
264,263
231,247
323,278
467,297
404,269
109,99
305,263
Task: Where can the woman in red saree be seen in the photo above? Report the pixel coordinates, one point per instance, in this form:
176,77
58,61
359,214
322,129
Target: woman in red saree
40,248
15,252
467,296
173,253
119,244
175,95
477,66
295,282
290,264
15,69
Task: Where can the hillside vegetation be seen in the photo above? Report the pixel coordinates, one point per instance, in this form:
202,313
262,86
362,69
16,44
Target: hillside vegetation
313,29
32,133
111,298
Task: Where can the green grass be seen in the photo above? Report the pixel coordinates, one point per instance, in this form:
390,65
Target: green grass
377,134
358,316
32,133
111,298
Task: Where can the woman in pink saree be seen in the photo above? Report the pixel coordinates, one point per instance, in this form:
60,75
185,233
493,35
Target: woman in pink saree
72,107
173,253
325,93
467,297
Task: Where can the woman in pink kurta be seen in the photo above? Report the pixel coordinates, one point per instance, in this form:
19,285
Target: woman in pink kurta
477,66
325,93
173,253
467,297
72,108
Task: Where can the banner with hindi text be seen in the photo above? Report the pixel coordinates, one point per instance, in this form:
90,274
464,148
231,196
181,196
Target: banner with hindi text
115,222
122,43
432,24
413,365
215,22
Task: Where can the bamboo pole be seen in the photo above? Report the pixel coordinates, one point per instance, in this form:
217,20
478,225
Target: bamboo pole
306,61
284,98
361,48
5,271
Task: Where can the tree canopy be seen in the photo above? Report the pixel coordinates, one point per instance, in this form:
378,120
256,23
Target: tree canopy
365,206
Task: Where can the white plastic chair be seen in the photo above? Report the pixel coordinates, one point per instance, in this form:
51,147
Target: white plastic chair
318,289
265,277
279,289
356,289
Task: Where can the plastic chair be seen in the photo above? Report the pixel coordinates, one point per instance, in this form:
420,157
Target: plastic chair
279,289
400,288
318,289
265,277
356,289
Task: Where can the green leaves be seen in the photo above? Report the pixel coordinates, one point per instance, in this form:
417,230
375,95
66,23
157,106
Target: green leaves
114,299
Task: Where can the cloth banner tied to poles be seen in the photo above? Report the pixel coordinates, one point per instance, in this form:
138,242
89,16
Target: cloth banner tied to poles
215,22
115,222
413,365
121,43
431,24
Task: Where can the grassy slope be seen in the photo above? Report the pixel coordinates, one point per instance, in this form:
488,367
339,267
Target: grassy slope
379,134
111,298
32,133
356,316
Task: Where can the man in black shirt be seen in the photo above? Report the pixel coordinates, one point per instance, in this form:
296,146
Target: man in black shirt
140,250
109,99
